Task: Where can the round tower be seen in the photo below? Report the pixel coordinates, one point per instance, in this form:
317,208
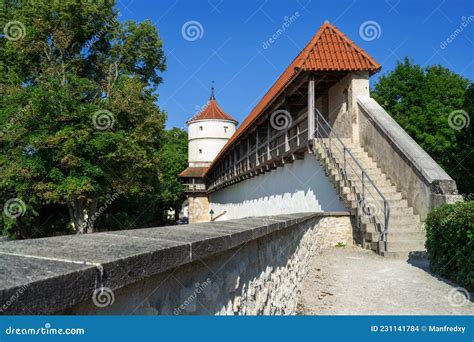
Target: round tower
208,132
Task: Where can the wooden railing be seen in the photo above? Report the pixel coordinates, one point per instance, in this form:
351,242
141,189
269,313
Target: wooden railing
194,187
284,142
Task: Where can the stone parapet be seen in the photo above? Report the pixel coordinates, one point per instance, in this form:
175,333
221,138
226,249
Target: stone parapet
63,274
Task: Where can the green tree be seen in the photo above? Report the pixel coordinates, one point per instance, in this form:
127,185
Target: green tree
464,171
78,112
175,159
421,101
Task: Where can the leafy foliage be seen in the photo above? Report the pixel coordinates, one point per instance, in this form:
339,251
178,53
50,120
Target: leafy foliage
450,242
80,124
421,100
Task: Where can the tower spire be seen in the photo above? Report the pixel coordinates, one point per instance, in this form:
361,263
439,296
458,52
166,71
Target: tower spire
212,92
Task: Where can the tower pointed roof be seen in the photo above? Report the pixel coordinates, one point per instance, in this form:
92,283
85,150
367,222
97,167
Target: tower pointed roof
212,111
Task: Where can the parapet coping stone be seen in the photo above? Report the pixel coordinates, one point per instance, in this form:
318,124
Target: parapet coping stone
408,149
48,275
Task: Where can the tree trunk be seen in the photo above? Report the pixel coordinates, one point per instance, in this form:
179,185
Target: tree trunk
83,215
91,217
176,213
20,230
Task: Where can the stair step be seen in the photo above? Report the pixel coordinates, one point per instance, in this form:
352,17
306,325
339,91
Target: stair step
378,182
401,222
397,235
402,245
373,173
371,190
393,203
388,196
404,255
371,228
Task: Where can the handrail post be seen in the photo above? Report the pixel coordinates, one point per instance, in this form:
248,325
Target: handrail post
386,220
345,173
363,186
311,107
317,122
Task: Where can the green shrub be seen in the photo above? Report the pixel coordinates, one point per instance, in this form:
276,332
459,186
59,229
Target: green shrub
450,242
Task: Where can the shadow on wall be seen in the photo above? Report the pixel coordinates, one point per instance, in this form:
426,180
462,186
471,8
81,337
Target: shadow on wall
299,187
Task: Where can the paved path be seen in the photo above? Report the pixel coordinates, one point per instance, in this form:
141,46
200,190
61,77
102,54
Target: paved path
355,281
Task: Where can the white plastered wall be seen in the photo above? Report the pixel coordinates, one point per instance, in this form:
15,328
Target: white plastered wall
298,187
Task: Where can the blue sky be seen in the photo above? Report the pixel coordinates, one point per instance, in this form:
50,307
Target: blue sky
229,45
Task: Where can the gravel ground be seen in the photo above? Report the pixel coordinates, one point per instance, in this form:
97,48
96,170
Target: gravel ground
355,281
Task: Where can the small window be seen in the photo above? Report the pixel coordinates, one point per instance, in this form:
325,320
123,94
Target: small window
200,128
200,151
345,100
225,129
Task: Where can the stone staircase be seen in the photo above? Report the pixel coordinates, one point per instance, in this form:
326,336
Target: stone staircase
405,236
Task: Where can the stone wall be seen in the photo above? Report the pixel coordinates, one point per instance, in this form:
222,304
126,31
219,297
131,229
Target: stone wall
343,109
263,276
420,179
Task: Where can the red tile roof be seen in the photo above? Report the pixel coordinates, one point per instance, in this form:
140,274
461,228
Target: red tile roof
212,111
193,172
328,50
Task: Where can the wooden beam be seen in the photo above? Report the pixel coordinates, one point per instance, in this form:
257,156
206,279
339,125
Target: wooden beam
311,108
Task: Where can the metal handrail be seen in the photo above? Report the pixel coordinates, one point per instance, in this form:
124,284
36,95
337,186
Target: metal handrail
319,129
